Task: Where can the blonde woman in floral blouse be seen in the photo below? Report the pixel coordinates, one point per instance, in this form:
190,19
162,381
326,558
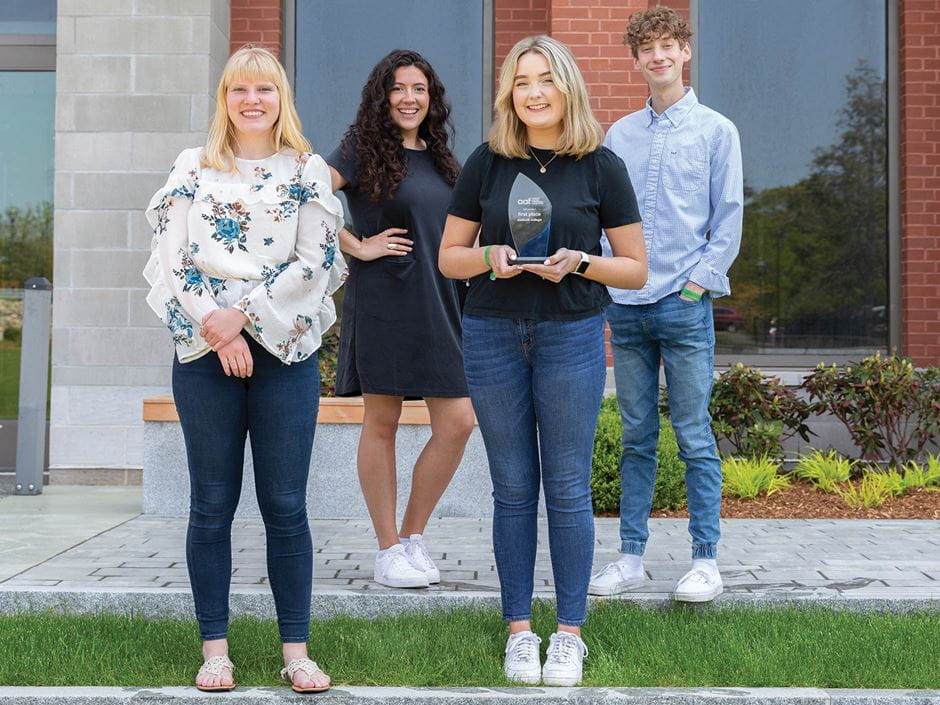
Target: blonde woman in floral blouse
244,260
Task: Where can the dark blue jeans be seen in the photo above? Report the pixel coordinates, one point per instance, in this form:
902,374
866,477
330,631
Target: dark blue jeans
277,409
536,388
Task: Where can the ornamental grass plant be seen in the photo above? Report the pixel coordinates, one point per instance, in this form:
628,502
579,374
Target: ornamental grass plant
749,477
824,470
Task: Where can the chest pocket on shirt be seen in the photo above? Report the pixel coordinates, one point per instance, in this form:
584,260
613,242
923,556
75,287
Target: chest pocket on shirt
684,169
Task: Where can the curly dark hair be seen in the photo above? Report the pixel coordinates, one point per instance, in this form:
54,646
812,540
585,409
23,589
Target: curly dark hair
382,163
653,23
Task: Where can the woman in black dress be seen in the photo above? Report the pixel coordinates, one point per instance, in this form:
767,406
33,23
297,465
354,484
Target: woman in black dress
400,336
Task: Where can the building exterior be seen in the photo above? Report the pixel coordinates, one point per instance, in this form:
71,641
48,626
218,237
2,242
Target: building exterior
838,104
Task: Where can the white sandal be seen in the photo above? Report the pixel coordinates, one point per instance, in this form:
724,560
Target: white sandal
213,666
307,666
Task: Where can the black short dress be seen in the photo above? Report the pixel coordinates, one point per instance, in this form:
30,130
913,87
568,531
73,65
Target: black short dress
400,327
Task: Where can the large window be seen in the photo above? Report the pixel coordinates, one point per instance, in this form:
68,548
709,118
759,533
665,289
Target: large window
27,133
805,83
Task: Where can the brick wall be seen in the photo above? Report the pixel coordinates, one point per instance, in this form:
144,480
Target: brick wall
257,22
920,179
514,20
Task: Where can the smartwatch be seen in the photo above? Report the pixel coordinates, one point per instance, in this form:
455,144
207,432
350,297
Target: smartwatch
583,264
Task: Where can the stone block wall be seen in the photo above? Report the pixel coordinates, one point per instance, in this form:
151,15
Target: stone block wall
135,85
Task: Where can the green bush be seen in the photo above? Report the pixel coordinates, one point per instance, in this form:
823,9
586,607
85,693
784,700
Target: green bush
669,490
890,408
12,335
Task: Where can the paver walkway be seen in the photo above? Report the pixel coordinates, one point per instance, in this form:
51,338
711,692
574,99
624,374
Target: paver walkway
896,563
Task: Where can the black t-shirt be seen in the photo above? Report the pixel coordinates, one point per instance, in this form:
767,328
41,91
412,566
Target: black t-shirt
586,195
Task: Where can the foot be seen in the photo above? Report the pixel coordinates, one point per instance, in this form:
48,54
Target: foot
394,568
701,584
522,664
565,659
305,676
215,674
615,578
418,553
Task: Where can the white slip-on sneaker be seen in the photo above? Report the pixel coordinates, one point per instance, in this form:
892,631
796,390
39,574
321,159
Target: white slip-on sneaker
522,664
698,585
615,578
418,553
394,568
565,659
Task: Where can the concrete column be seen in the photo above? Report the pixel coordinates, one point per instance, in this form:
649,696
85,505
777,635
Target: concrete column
134,86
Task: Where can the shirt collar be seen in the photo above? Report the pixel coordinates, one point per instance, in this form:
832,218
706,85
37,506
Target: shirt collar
676,112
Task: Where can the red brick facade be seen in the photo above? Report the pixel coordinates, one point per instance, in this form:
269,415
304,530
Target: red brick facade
593,29
256,21
920,179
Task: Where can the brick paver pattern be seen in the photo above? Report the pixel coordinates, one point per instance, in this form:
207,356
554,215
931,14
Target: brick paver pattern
797,558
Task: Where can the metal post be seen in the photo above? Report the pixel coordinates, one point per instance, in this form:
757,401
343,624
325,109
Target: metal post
34,383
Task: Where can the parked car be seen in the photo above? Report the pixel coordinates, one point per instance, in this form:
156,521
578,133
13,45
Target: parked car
727,318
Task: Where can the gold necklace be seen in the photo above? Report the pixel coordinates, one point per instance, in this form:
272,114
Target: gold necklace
542,167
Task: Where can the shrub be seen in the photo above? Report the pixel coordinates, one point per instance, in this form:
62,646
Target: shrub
12,335
871,492
327,355
748,477
890,409
824,470
753,413
669,490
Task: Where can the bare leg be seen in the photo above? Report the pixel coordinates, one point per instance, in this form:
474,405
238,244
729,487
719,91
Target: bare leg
376,463
451,424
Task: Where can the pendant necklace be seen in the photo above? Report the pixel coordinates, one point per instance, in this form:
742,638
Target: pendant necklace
542,167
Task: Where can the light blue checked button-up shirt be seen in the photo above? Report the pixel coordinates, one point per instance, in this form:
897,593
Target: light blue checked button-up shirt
685,166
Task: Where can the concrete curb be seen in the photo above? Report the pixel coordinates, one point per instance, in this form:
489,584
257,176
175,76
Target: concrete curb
177,602
341,695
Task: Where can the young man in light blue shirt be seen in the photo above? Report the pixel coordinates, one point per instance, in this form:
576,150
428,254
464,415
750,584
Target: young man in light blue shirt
685,163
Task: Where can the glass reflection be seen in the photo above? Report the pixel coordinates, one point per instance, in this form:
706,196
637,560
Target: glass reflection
806,88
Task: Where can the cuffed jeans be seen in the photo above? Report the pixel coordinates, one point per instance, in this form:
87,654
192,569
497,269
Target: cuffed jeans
682,334
536,388
277,408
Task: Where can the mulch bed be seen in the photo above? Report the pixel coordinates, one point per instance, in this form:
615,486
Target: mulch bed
802,502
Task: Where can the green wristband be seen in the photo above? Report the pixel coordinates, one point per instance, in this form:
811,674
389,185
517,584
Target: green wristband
690,294
486,261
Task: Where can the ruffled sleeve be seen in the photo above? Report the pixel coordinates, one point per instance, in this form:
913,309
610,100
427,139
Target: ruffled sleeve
289,311
179,293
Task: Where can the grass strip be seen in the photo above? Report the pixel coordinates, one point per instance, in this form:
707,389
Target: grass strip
628,646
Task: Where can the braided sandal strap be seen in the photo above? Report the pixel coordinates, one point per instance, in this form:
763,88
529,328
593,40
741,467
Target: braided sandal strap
213,666
300,664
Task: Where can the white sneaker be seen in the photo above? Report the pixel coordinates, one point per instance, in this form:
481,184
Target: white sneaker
394,568
698,585
522,664
563,664
615,578
418,553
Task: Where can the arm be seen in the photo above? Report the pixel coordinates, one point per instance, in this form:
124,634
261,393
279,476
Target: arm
726,214
459,259
369,248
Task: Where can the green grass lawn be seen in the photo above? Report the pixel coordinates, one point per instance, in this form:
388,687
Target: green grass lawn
9,380
629,647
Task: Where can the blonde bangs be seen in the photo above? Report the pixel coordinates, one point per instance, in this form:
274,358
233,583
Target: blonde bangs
581,132
252,64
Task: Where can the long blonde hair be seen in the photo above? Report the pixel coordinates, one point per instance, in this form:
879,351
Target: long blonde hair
258,64
581,133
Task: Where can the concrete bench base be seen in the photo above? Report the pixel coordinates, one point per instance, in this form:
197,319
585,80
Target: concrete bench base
333,490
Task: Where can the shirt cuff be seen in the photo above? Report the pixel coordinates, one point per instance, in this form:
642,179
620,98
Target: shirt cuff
716,283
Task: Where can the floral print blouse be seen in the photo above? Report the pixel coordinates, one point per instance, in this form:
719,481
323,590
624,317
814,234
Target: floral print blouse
262,239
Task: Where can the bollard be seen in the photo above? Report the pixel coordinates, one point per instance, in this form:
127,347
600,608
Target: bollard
34,383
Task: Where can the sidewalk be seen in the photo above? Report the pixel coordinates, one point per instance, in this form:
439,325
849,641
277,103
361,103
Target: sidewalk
84,549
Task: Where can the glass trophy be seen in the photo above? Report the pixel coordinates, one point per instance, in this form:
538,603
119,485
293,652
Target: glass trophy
530,220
